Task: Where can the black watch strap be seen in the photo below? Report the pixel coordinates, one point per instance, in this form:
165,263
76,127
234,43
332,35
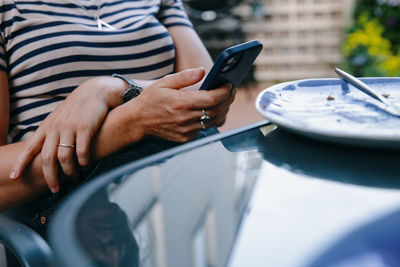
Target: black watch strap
132,91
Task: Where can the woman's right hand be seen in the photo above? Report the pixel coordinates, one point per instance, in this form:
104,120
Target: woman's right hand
167,112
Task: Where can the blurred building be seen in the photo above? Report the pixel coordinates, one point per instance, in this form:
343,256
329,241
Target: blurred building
302,38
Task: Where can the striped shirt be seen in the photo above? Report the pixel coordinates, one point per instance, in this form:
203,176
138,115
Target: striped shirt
50,47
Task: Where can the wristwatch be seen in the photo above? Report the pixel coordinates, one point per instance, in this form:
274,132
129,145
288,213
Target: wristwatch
132,91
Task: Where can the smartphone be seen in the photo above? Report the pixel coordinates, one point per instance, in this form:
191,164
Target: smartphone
232,65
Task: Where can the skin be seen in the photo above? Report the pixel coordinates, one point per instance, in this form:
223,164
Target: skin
162,110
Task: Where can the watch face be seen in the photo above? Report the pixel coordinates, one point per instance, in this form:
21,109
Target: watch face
131,93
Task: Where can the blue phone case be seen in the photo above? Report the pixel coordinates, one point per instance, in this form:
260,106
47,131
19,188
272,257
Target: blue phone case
232,65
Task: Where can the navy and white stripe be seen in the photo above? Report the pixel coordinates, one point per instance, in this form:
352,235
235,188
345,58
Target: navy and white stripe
49,47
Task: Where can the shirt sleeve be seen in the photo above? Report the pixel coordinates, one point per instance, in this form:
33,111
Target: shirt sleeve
172,13
3,65
4,8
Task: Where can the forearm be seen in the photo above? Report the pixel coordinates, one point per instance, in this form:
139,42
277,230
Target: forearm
190,51
31,184
116,131
162,110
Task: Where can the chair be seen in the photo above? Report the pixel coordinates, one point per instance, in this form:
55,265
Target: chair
29,248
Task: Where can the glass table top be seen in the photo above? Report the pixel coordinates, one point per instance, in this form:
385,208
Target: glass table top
255,197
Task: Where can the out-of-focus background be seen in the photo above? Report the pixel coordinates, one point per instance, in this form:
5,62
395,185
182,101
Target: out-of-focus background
302,39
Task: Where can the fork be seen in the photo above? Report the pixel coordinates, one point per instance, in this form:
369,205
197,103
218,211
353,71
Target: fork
388,107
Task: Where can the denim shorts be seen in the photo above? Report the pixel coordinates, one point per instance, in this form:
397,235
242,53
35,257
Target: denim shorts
38,213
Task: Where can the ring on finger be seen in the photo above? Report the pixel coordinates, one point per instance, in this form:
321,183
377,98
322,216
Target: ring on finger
203,125
204,119
66,145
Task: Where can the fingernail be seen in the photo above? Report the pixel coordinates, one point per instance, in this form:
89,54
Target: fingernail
198,70
13,174
53,190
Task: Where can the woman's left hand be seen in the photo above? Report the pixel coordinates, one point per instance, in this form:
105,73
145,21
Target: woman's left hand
73,123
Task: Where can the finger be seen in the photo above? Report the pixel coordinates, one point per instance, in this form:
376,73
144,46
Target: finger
220,120
188,128
227,103
49,162
66,155
217,115
192,135
204,99
186,135
31,148
186,117
181,79
83,149
223,107
232,94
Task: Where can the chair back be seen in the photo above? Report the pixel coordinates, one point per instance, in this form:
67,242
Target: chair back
28,247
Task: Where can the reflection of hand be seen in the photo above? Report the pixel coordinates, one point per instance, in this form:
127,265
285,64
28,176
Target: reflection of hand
74,122
173,114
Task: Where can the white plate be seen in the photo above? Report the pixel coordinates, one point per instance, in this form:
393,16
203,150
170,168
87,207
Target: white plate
332,109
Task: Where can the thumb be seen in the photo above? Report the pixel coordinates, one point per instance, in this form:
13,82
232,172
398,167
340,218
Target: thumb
181,79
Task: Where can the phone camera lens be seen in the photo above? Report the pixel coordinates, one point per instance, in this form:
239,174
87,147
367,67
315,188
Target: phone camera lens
230,64
225,68
232,60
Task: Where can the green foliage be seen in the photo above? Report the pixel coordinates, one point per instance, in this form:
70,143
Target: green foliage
372,46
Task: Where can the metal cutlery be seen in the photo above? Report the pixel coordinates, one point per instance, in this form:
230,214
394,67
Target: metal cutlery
388,107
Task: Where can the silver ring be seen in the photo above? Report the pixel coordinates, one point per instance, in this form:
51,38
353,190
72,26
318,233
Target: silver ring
66,145
203,125
204,119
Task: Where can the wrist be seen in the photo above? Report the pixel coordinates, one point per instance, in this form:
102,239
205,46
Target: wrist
132,91
132,121
111,90
120,129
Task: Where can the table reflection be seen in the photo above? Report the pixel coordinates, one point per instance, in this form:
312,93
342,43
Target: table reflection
191,209
105,233
184,211
376,244
372,240
348,164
